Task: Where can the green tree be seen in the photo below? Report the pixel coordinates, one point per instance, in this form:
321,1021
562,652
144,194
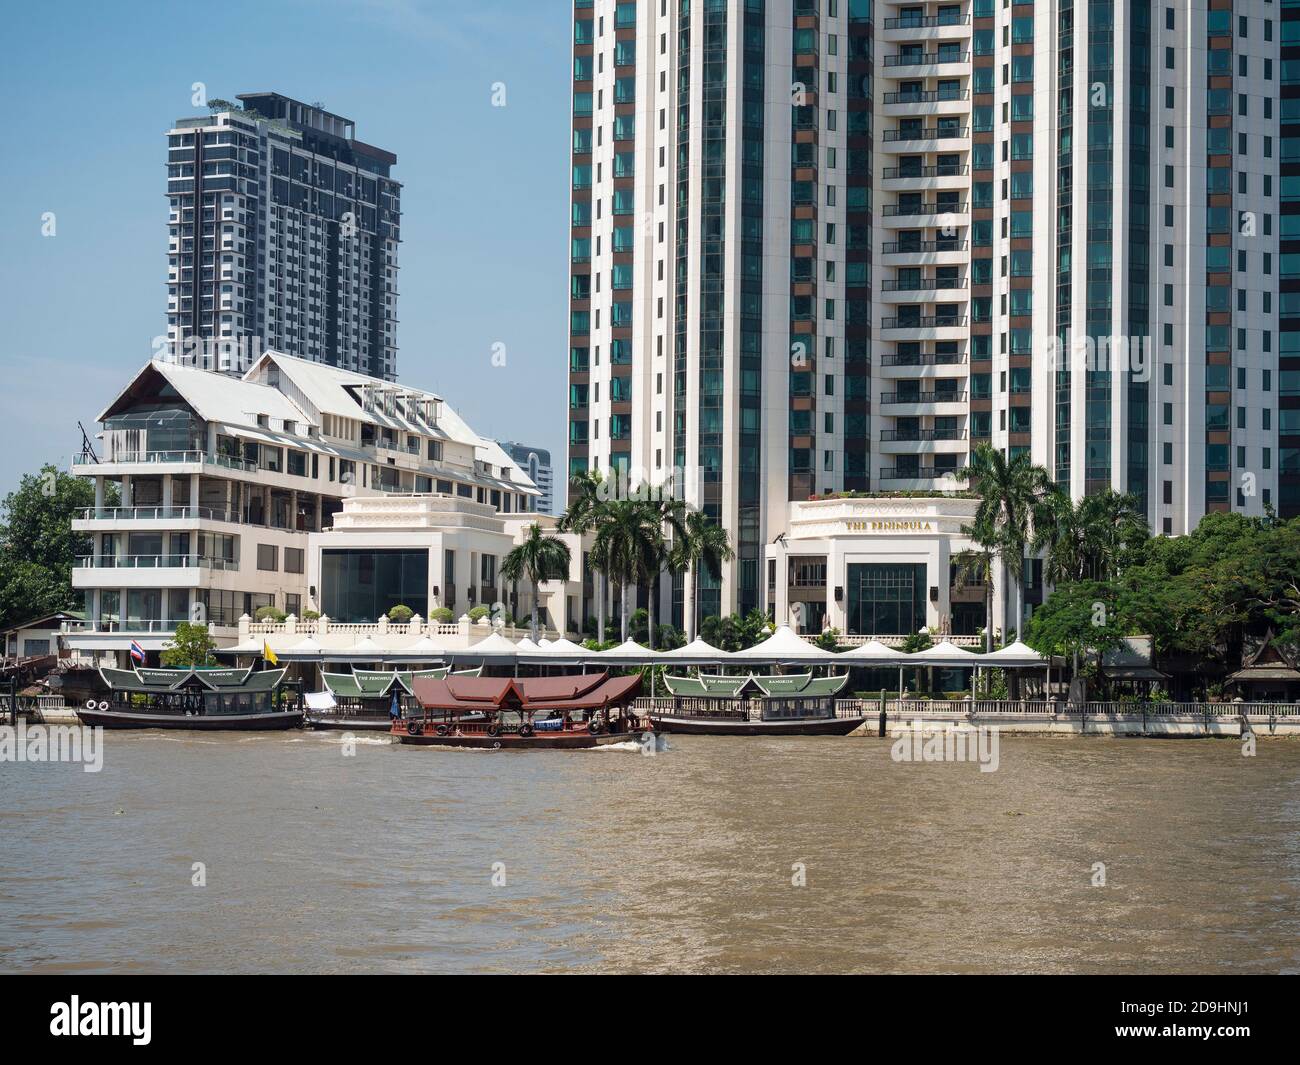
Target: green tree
629,545
587,499
539,558
1079,618
37,544
704,543
1009,491
192,645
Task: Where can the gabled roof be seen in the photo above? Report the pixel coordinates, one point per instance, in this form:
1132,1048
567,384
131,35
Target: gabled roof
590,691
39,622
158,681
375,684
796,684
214,397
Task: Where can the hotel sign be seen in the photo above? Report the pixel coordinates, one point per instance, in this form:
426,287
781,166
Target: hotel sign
889,526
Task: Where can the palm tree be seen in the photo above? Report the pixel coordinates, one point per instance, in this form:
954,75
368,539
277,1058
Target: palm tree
671,514
1009,491
975,567
539,558
628,544
704,543
1086,539
582,514
1112,521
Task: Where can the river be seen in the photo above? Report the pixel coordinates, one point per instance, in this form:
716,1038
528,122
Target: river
716,855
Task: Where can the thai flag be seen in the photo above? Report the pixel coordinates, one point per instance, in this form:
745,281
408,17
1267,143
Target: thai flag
137,652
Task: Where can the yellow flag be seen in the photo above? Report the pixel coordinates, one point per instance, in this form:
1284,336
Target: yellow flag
269,655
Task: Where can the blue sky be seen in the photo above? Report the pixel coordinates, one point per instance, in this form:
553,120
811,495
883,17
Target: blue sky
93,87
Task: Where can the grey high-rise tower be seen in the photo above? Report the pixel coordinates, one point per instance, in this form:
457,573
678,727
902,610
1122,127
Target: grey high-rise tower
282,233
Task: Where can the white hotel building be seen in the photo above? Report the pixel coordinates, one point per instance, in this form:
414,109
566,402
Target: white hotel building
218,495
826,246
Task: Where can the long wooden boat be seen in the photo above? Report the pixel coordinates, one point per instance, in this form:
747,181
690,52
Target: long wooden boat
502,713
257,722
700,725
507,738
193,700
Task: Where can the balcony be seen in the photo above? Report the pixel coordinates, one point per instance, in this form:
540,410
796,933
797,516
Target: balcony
923,359
153,562
909,436
932,133
923,210
922,284
926,59
927,96
159,514
893,173
912,398
945,321
196,458
918,22
922,247
915,473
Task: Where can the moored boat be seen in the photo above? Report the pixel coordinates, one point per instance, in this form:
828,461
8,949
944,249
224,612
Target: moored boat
536,713
779,705
194,700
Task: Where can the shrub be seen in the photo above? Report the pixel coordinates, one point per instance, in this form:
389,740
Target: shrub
270,613
311,615
400,614
441,615
478,613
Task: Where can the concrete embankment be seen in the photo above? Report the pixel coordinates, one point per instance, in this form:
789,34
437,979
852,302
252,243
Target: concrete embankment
1118,725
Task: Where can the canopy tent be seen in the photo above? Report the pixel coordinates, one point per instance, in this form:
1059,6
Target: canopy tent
494,648
1014,654
784,645
944,653
374,684
697,650
629,652
873,653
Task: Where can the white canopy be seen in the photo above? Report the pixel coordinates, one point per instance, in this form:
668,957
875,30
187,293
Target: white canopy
697,650
785,645
1014,654
946,653
320,700
873,652
307,646
363,646
422,646
525,645
494,646
628,651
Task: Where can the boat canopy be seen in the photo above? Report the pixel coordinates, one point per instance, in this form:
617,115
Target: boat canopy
588,691
158,681
802,685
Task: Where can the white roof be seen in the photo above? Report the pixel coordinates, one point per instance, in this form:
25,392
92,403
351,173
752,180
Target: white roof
697,649
1014,654
218,397
307,646
628,651
945,653
785,644
875,651
494,646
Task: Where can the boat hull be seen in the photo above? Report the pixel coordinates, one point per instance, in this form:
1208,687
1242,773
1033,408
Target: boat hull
509,741
350,724
115,719
718,726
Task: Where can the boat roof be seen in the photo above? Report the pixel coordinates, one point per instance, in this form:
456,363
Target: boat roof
588,691
375,684
776,685
214,679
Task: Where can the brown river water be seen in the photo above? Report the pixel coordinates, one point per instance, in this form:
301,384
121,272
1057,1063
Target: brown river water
612,861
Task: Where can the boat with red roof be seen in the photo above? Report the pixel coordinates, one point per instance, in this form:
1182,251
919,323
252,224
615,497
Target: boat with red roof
532,713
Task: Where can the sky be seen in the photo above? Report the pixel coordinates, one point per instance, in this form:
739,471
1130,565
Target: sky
92,89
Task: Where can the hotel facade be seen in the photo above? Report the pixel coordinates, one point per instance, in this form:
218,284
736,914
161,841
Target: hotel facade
827,247
216,496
